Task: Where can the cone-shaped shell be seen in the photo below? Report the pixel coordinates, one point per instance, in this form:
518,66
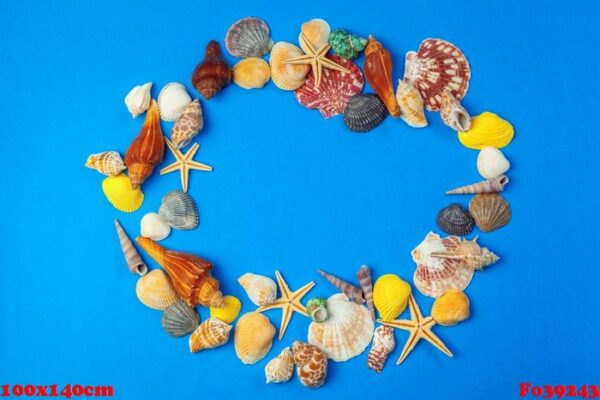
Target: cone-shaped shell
213,73
345,44
316,31
378,71
390,295
487,129
411,106
209,334
180,319
248,37
491,163
311,364
364,277
383,345
154,290
179,210
469,253
280,368
490,211
453,113
108,163
354,293
287,76
121,195
261,290
364,113
450,308
253,337
132,257
251,73
187,125
455,220
493,185
229,311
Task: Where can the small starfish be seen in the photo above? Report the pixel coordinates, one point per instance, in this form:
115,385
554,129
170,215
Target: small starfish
184,163
316,59
289,302
419,328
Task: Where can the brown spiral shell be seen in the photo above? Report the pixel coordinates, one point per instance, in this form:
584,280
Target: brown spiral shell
213,73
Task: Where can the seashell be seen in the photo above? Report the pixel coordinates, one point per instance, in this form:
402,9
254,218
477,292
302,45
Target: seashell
179,210
455,220
438,66
410,103
378,71
180,319
119,193
248,37
287,76
490,211
453,113
172,100
138,99
469,253
347,331
317,309
209,334
345,44
491,163
191,275
108,163
435,275
493,185
187,125
251,73
213,73
364,112
316,31
354,293
154,227
487,129
154,290
132,257
253,337
450,308
311,364
390,295
147,150
229,311
280,368
333,93
261,290
364,277
383,345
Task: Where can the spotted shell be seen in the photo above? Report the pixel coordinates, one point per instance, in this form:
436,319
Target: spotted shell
155,290
108,163
119,193
172,100
209,334
364,113
455,220
180,319
248,37
411,105
187,125
316,31
453,113
287,76
251,73
179,210
490,211
253,337
450,308
280,368
311,364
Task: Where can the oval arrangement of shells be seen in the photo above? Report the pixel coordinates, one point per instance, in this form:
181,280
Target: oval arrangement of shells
328,70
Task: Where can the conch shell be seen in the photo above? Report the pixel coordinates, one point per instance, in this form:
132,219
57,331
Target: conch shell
453,113
311,364
281,368
138,99
469,253
354,293
108,163
378,71
213,73
209,334
132,257
411,106
383,345
493,185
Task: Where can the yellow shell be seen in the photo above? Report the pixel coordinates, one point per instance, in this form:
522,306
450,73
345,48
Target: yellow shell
155,290
108,163
450,308
287,76
316,31
209,334
390,295
229,312
251,73
487,129
119,193
253,337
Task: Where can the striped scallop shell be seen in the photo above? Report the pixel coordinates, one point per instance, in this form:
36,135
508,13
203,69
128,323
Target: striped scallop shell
287,76
155,290
455,220
209,334
251,73
253,337
180,319
364,113
108,163
490,211
179,210
248,37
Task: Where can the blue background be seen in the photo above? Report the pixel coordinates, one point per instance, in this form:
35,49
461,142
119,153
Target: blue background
294,192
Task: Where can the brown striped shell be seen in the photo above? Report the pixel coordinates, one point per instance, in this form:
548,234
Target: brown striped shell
311,364
490,211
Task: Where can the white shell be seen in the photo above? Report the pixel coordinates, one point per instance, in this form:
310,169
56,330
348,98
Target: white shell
172,99
491,163
261,290
138,99
154,227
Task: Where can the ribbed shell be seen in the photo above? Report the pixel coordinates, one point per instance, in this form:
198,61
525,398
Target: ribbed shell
383,345
229,311
364,113
490,211
180,319
108,163
280,368
455,220
493,185
316,31
390,295
248,37
155,290
209,334
311,364
187,125
172,100
450,308
287,76
261,290
411,105
119,193
453,113
179,210
251,73
253,337
487,129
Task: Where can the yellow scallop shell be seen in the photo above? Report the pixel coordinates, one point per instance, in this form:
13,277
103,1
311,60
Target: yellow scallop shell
229,312
251,73
450,308
287,76
390,295
487,129
155,290
253,337
119,193
316,31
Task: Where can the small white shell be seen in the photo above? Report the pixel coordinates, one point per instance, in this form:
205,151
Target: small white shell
172,100
491,163
138,99
154,227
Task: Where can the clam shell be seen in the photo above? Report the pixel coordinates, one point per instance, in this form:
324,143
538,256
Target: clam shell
209,334
487,129
311,364
280,368
154,290
287,76
450,308
229,311
490,211
108,163
491,163
253,337
179,210
453,113
364,113
172,100
187,125
390,296
248,37
455,220
251,73
411,105
261,290
180,319
138,99
345,44
119,193
316,31
154,227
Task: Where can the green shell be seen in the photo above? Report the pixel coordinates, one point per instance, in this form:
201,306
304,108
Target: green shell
346,44
317,309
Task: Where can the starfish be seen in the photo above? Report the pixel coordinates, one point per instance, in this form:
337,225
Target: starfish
289,302
184,163
315,58
419,328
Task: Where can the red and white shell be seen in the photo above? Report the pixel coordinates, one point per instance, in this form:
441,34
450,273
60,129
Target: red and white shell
437,66
335,90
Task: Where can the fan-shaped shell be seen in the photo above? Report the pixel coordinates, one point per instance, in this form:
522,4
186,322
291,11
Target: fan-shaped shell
119,193
316,31
311,364
154,290
248,37
453,113
261,290
172,100
455,220
450,308
209,334
229,311
154,227
179,210
108,163
287,76
390,295
251,73
138,99
280,368
253,337
438,66
491,163
487,129
364,112
187,125
490,211
180,319
411,104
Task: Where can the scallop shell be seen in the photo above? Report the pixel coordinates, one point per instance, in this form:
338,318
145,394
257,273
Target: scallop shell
383,345
316,31
280,368
346,44
248,37
253,337
138,99
365,112
493,185
172,100
287,76
180,319
155,290
187,125
453,113
491,163
470,253
487,129
411,104
311,364
209,334
108,163
450,308
317,309
490,211
455,220
119,193
390,295
436,67
153,226
347,331
261,290
230,310
333,93
251,73
179,210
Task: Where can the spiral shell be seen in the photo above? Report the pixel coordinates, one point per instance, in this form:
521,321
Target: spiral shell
280,368
209,334
490,211
311,364
154,290
261,290
411,105
383,345
251,73
364,113
213,72
287,76
179,210
248,37
138,99
253,337
180,319
453,113
108,163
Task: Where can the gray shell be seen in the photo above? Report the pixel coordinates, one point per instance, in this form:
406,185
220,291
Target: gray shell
179,210
248,37
455,220
364,112
180,319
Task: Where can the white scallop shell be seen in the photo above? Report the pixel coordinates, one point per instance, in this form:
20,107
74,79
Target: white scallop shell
138,99
172,100
154,227
491,163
